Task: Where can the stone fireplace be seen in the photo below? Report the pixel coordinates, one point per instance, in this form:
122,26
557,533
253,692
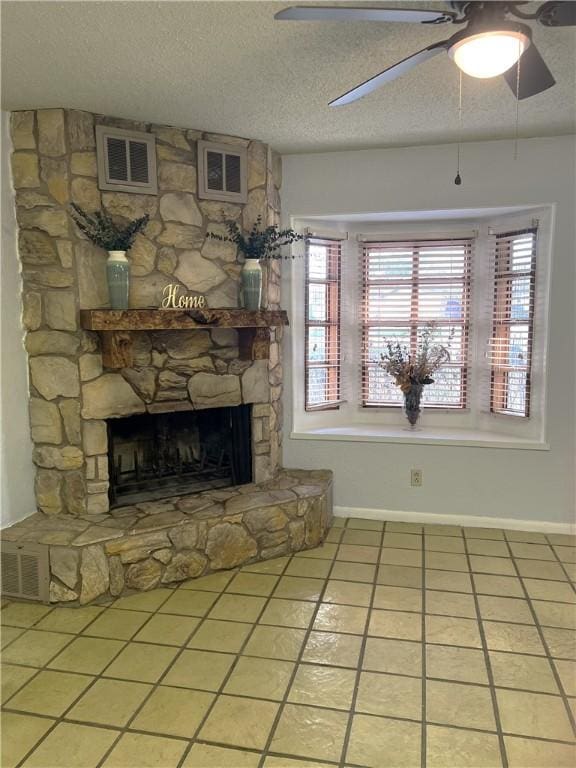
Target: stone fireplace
72,394
167,465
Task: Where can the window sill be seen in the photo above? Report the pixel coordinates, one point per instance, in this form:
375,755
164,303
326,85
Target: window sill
362,433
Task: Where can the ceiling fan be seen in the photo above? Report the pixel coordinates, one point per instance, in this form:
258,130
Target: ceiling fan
491,44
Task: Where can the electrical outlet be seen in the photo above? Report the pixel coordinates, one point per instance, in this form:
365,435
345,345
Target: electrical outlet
416,477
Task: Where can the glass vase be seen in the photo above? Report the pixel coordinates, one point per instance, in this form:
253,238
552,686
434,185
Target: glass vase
412,409
118,278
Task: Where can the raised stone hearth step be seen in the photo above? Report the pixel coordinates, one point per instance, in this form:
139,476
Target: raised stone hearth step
139,547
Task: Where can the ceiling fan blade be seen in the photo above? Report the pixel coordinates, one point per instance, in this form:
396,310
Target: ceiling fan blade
535,76
557,14
389,74
327,13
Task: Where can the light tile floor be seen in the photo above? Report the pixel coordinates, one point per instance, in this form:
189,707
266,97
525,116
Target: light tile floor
391,646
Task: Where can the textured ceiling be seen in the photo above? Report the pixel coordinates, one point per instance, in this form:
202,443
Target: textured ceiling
229,67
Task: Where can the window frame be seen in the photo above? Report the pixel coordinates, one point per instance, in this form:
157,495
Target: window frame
502,320
416,322
333,294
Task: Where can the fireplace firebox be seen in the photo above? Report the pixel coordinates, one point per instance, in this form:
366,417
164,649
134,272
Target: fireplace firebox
153,456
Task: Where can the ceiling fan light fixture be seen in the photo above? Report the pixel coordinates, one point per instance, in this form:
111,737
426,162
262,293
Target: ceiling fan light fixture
488,54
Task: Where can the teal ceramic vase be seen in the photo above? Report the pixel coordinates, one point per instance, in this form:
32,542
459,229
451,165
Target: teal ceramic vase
118,277
251,284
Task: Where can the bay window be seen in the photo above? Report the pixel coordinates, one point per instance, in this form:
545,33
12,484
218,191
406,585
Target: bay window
483,286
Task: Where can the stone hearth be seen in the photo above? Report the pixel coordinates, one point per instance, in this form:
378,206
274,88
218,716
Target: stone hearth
153,544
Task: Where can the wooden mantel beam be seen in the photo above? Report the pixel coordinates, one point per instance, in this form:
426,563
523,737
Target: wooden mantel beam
179,319
115,326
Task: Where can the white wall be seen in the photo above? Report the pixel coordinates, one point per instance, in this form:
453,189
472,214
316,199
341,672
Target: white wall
461,481
16,470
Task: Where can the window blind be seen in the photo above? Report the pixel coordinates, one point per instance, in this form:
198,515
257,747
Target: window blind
406,285
322,324
510,349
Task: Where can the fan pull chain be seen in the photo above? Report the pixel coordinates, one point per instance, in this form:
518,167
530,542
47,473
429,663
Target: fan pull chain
458,179
517,103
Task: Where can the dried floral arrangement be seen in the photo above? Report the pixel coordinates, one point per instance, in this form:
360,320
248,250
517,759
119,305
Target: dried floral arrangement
260,243
102,230
409,369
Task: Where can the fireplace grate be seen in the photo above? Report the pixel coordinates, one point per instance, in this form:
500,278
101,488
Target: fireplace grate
153,456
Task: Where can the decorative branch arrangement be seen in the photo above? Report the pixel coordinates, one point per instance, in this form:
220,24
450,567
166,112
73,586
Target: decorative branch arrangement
263,244
408,369
100,228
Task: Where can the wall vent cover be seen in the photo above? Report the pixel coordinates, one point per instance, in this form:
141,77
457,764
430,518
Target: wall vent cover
222,172
25,571
126,160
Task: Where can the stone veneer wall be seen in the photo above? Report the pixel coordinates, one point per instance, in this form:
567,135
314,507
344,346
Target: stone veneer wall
54,163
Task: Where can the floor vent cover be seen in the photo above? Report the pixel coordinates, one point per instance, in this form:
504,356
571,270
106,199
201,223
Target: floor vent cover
25,571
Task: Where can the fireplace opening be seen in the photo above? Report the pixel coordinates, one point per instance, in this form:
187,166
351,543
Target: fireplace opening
152,456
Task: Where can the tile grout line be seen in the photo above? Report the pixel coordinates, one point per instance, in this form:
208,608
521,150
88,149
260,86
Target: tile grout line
350,634
44,667
122,729
558,680
465,683
37,670
60,719
154,686
561,564
360,666
349,562
101,675
96,678
256,751
336,710
487,661
238,654
83,632
284,701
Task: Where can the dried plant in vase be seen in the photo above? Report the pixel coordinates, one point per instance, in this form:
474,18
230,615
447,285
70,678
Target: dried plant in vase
413,371
102,230
260,244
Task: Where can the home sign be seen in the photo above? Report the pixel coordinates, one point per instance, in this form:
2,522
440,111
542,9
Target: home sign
172,300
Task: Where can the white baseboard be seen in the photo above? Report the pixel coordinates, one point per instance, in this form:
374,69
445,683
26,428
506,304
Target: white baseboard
472,521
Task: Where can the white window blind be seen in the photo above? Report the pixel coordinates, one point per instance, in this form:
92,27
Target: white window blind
510,350
406,285
322,324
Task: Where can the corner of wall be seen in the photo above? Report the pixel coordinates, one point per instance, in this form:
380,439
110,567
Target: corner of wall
16,469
